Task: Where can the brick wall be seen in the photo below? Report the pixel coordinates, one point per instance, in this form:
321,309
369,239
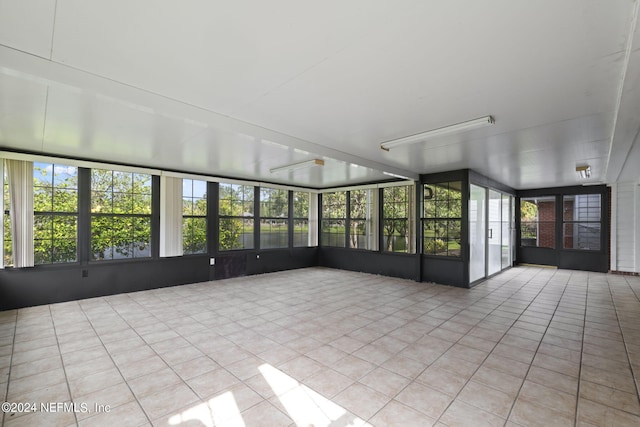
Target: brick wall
546,224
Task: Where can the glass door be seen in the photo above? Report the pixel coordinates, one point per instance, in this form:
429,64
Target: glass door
494,233
507,238
477,233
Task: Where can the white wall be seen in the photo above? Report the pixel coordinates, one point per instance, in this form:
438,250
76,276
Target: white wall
625,226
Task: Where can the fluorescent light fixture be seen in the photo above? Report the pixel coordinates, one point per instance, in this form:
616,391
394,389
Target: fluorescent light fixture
584,171
299,165
395,175
419,137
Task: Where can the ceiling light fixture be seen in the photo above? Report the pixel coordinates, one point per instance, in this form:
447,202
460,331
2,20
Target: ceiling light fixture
419,137
584,171
299,165
395,175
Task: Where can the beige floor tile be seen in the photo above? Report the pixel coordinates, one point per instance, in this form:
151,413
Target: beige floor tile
460,367
397,414
93,382
54,393
212,383
460,414
487,398
506,383
551,398
385,382
263,414
154,382
26,385
373,354
354,367
77,371
610,397
168,402
557,365
328,382
361,400
424,399
408,368
515,353
111,397
597,414
441,380
555,380
37,419
620,380
33,354
437,336
142,367
527,413
195,367
35,367
129,414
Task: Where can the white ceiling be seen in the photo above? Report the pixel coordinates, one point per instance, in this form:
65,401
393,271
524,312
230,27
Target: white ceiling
237,88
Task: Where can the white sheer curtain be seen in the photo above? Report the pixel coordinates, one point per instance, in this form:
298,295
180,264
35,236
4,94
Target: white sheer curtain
20,175
373,218
313,219
170,216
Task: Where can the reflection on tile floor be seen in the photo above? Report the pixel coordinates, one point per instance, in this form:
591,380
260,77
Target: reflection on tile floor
322,347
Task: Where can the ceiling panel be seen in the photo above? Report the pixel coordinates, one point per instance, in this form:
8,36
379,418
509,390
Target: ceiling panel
22,112
237,88
27,25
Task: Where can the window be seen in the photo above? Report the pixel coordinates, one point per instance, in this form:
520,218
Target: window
235,203
8,248
361,233
300,219
442,219
334,218
581,216
398,217
538,221
274,218
120,215
55,216
194,216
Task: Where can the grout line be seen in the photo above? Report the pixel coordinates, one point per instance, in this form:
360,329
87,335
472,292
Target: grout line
66,378
626,348
584,326
13,345
559,300
112,361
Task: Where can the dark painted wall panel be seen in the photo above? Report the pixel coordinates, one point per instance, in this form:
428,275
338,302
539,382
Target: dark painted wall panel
387,264
447,271
584,260
45,285
35,286
533,255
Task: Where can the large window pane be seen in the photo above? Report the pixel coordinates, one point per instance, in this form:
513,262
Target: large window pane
442,219
334,217
300,218
236,209
398,214
55,206
538,221
274,218
120,215
194,216
361,227
581,215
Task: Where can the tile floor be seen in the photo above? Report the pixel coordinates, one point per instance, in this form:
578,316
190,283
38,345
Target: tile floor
319,347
